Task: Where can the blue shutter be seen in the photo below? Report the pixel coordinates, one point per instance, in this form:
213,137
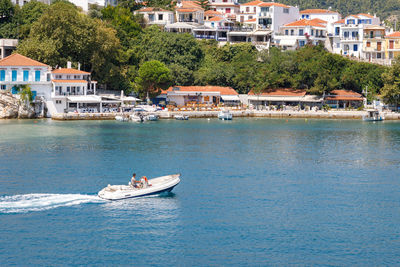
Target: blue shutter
26,75
14,75
2,75
37,76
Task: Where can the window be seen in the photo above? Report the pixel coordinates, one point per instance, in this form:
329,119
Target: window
76,77
337,30
58,101
286,32
228,10
265,9
151,17
301,43
350,21
378,55
26,75
355,48
254,9
48,77
160,17
354,34
3,87
247,9
2,75
250,17
37,76
58,76
68,77
291,32
68,89
13,75
78,89
337,45
368,44
346,34
301,32
312,32
286,10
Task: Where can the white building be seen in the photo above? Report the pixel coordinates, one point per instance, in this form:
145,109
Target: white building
327,15
269,15
16,70
7,46
229,8
348,34
296,34
189,15
73,90
157,16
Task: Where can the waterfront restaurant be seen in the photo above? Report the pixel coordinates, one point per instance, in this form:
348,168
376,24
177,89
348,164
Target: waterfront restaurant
343,99
284,97
209,95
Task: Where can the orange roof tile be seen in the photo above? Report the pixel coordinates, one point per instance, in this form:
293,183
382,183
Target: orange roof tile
69,71
191,4
317,11
207,88
152,9
69,81
186,10
253,3
273,4
339,22
212,12
20,60
345,95
251,20
305,22
394,35
365,15
215,19
281,92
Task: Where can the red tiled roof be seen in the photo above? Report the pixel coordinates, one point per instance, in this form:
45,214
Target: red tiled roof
190,5
69,81
152,9
262,3
394,35
207,88
251,20
317,11
345,95
281,92
215,19
69,71
365,15
186,10
339,22
20,60
212,12
305,22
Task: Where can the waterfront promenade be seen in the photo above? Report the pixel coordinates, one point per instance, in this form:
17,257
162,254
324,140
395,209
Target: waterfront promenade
332,114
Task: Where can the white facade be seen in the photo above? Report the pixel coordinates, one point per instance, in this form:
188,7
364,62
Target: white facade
268,15
348,34
18,70
157,16
327,15
229,8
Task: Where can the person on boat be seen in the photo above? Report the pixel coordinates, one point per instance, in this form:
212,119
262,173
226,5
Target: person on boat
145,182
134,183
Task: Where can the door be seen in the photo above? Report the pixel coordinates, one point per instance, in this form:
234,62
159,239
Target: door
379,46
391,44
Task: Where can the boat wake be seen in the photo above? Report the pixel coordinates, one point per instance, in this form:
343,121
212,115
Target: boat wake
39,202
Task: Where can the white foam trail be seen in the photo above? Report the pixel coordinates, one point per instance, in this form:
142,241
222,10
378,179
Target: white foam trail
38,202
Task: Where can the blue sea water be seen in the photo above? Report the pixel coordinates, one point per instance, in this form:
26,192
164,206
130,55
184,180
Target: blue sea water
254,192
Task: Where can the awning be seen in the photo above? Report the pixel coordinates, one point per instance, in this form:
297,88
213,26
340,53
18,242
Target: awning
182,25
276,98
230,97
84,99
130,98
287,42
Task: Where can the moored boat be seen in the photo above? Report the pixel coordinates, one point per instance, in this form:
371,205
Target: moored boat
225,115
152,117
373,115
181,117
153,187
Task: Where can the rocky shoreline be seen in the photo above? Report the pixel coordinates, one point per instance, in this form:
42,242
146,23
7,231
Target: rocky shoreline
12,108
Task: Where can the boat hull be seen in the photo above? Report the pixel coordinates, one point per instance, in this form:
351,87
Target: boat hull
158,185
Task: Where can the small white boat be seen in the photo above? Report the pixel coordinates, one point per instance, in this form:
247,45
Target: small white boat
151,117
373,115
153,187
225,115
121,118
136,117
181,117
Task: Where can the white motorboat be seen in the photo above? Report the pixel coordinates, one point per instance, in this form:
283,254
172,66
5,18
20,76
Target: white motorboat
181,117
136,117
373,115
151,117
121,118
225,115
153,187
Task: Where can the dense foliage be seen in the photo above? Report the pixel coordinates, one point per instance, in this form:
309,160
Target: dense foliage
123,53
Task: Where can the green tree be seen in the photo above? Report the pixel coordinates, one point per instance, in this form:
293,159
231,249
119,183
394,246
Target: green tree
29,13
152,77
391,89
204,4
